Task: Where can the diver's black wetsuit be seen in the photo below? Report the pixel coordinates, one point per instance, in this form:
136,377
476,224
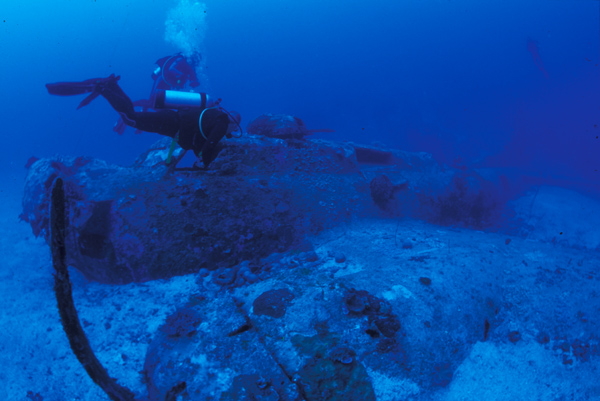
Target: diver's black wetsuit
182,123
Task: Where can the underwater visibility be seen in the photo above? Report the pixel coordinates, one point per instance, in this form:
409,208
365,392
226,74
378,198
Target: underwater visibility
300,201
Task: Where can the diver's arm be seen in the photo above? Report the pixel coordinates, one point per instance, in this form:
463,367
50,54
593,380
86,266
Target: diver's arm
217,123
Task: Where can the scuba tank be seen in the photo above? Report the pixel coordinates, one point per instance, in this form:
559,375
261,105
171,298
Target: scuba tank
168,99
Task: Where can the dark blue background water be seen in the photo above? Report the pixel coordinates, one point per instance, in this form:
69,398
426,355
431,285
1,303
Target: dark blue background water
454,78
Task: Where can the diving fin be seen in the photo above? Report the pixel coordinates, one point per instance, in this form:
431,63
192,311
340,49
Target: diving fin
88,99
70,88
92,86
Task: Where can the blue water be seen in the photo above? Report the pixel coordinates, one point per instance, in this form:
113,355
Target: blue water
454,78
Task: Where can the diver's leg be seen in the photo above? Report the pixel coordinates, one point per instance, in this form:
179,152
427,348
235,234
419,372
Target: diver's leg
111,91
164,122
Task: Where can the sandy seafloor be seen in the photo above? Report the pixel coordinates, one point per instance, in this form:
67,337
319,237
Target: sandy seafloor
36,362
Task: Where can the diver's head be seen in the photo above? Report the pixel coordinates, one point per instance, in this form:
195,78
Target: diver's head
178,71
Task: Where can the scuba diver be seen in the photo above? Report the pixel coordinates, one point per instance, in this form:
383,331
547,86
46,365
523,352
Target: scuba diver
175,72
191,119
